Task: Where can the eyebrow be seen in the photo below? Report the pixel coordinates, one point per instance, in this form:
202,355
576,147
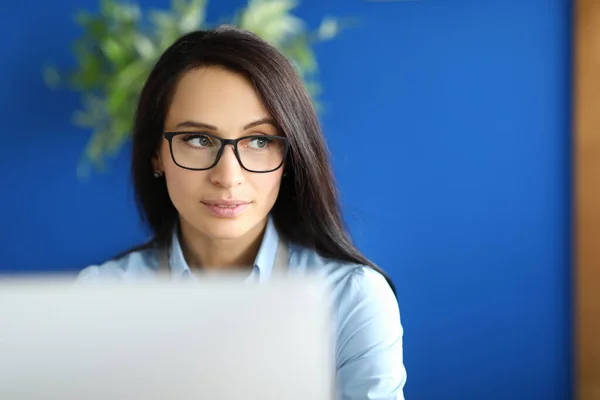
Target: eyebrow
264,121
194,124
202,125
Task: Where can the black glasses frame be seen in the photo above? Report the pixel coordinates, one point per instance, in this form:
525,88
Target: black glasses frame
224,142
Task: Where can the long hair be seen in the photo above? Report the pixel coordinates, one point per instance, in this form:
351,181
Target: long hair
307,210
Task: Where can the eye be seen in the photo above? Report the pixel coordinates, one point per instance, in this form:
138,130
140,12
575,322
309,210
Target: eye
198,141
259,143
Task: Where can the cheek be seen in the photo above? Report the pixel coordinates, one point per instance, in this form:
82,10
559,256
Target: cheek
183,185
266,187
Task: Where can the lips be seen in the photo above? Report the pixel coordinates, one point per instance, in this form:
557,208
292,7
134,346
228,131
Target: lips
222,202
226,208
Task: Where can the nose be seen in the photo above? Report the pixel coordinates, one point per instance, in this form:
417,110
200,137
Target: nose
228,172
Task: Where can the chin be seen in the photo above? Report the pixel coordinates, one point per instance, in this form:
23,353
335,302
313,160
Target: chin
224,229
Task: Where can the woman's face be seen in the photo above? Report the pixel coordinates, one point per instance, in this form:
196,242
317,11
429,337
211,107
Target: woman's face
226,201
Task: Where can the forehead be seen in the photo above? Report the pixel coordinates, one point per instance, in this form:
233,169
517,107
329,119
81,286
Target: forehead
215,96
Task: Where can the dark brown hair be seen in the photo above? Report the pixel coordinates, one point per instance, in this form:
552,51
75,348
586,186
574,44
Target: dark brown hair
307,210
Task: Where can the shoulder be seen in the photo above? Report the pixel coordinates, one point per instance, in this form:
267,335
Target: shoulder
369,338
345,279
361,293
364,300
358,292
368,335
132,266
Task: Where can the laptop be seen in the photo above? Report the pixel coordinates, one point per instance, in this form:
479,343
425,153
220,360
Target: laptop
215,339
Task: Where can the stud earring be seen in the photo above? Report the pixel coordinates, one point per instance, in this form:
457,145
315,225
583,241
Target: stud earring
157,174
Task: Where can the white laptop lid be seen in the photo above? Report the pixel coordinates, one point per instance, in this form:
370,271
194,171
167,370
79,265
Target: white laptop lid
218,339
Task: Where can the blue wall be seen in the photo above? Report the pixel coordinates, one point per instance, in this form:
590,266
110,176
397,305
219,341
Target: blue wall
449,126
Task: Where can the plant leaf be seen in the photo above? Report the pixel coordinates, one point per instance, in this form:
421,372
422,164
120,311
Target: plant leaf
271,20
192,16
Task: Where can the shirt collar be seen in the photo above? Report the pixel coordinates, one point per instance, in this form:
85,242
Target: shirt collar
263,264
179,267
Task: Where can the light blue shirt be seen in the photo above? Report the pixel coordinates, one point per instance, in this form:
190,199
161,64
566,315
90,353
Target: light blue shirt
369,334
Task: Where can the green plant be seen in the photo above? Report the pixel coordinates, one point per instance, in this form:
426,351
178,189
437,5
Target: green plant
121,42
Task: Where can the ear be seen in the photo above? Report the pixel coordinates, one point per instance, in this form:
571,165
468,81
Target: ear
157,164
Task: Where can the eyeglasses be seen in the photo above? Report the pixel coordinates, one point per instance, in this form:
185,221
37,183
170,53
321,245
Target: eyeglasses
201,151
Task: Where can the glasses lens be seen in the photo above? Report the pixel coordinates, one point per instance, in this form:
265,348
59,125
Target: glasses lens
195,150
257,153
262,153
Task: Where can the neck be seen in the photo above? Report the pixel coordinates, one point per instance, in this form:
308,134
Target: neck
200,250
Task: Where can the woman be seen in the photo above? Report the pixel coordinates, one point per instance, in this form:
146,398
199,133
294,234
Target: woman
228,164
